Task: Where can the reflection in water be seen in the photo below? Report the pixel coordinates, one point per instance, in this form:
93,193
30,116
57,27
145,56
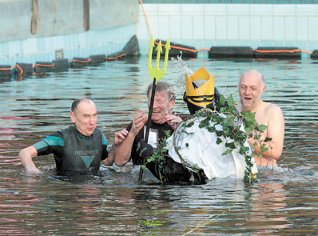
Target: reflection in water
283,202
267,205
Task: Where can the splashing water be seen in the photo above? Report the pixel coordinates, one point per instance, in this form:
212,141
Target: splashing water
181,69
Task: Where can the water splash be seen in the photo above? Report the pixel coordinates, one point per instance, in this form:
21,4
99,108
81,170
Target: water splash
181,69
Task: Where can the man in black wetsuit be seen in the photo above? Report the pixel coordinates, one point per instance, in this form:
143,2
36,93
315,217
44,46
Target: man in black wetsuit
163,121
78,149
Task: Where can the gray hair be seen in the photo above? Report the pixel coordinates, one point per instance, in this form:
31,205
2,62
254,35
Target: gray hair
163,87
77,101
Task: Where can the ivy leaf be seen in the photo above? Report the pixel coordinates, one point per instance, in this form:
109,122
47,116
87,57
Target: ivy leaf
267,139
248,116
218,141
230,145
230,101
262,128
189,124
264,148
227,152
243,150
222,101
222,109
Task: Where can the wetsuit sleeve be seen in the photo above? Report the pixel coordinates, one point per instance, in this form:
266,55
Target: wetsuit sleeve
53,143
134,154
104,144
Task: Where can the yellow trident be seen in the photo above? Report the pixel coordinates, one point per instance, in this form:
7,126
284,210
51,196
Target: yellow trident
156,73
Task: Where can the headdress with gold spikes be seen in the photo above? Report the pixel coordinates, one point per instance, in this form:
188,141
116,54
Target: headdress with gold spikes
199,88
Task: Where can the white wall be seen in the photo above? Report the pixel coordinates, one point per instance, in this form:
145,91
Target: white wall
60,26
206,25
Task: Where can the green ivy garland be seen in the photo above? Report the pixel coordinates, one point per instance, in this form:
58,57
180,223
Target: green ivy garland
231,121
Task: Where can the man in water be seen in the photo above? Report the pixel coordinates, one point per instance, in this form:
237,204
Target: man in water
251,87
130,142
78,149
196,145
201,143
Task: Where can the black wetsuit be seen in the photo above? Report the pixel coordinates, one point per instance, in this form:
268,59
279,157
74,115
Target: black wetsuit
74,152
168,171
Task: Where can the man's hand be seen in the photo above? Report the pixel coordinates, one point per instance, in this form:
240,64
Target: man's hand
173,121
32,171
120,136
138,123
26,156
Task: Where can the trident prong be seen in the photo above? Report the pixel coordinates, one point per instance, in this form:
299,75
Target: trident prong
157,72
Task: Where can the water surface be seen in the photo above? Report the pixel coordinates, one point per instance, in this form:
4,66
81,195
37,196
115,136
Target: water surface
283,202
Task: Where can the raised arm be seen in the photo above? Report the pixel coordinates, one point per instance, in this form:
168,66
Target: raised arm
26,156
124,146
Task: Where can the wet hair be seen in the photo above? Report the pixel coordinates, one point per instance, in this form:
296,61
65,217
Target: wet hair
163,87
77,101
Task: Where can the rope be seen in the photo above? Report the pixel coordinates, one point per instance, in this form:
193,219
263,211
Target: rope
278,51
116,57
203,49
202,224
180,48
146,17
82,61
5,69
43,65
306,51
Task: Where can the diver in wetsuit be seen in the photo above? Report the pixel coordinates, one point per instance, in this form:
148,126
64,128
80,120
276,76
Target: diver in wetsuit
78,149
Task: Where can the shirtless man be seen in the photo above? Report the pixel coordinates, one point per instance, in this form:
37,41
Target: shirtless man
251,88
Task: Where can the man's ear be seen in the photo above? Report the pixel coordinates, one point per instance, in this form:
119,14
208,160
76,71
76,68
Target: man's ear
171,104
73,118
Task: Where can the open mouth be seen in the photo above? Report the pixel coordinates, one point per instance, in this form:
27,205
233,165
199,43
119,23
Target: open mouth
90,129
155,112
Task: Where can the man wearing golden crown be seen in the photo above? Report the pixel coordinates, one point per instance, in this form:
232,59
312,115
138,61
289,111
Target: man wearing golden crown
201,143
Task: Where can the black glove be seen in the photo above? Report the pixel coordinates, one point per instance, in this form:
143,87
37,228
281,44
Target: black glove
144,150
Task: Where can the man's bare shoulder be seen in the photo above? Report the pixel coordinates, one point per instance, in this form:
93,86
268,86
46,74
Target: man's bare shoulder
273,108
273,111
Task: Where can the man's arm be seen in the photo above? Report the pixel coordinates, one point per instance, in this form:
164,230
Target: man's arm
275,131
123,149
111,157
26,156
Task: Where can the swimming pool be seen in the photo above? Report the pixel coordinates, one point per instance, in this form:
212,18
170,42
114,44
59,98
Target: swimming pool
284,201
